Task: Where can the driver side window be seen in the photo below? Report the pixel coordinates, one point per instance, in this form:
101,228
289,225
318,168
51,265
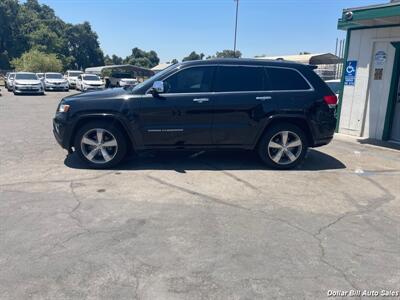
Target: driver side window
190,80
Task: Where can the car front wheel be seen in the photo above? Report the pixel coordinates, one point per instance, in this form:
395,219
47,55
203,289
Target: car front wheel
100,144
283,146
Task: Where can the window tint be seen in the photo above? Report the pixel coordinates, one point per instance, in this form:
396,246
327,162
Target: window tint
286,79
26,76
90,77
191,80
53,76
237,79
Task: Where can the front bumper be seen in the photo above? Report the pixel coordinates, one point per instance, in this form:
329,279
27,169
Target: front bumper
56,87
28,90
61,132
93,88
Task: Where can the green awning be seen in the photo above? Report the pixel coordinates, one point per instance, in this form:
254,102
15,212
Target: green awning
370,16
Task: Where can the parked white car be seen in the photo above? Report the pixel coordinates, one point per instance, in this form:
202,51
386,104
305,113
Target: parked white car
10,81
121,80
55,81
25,82
88,82
128,82
72,76
334,85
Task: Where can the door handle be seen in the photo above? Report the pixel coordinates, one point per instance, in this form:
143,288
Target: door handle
263,98
201,100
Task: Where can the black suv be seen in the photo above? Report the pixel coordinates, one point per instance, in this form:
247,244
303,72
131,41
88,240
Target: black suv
276,108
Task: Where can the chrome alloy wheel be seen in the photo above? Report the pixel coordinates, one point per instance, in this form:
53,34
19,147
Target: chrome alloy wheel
99,146
284,147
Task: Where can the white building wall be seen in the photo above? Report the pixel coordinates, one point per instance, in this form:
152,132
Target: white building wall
364,104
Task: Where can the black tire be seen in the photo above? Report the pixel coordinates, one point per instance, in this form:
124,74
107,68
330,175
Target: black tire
274,135
110,128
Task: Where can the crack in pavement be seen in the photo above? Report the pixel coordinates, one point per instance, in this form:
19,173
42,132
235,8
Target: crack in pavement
57,181
373,205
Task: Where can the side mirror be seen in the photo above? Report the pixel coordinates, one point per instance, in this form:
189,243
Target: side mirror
158,87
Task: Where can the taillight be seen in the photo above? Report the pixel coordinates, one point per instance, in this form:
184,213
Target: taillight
331,100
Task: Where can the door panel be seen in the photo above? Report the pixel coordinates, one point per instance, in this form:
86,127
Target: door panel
182,116
239,104
238,117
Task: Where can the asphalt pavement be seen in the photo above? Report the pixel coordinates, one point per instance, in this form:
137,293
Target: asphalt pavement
208,225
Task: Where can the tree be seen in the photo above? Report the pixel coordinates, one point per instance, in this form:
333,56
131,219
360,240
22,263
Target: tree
10,32
228,54
36,61
84,46
26,25
193,56
304,53
114,60
107,60
142,58
174,61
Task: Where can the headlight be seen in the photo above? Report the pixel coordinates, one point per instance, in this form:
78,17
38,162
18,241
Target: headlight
63,108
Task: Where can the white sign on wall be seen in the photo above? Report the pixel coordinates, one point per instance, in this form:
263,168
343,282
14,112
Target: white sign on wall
380,58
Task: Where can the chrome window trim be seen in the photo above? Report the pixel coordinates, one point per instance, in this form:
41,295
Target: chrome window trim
311,89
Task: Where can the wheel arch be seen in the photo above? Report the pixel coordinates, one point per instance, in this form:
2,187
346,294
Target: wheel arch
112,118
297,120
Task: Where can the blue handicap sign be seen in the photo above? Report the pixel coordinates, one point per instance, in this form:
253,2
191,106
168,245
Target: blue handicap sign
350,72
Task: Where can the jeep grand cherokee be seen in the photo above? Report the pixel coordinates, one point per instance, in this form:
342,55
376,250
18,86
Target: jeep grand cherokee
277,108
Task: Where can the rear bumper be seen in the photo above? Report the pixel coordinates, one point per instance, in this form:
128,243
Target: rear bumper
322,142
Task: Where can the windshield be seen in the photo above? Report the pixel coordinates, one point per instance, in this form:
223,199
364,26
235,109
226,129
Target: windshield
26,76
54,76
11,76
334,86
91,77
40,75
154,77
74,74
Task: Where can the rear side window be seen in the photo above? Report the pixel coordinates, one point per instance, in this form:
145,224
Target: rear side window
239,79
281,79
191,80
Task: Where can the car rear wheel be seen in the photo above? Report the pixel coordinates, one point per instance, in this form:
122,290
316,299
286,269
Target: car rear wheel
283,146
100,144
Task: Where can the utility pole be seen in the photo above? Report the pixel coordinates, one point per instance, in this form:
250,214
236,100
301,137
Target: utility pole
236,23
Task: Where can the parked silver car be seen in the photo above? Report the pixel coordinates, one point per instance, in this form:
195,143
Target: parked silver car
26,82
55,82
9,82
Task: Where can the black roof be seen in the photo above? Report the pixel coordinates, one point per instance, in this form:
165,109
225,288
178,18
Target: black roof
241,61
